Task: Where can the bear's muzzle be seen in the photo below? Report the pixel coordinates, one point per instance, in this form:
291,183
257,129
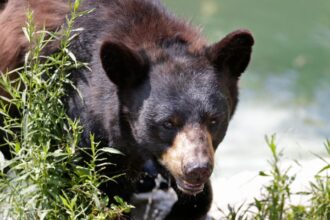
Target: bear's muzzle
190,159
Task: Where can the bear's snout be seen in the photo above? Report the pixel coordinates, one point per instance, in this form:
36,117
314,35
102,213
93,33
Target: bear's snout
197,173
190,159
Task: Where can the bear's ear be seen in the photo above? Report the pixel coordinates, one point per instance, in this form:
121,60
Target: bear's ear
232,53
124,66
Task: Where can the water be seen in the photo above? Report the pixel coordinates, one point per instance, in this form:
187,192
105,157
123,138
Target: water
286,89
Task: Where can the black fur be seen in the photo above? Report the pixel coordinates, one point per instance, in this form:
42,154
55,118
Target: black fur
131,92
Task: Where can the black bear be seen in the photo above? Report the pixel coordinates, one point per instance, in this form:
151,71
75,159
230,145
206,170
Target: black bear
156,90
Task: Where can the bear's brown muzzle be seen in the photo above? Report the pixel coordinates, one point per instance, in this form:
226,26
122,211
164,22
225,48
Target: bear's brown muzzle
190,159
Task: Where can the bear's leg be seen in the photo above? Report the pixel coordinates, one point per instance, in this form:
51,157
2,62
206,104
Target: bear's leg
189,207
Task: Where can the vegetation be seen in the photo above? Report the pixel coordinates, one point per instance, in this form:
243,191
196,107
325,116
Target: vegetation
275,202
46,178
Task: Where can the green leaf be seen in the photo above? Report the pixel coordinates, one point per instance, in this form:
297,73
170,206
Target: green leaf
118,200
110,150
26,34
262,173
76,5
82,171
324,169
64,201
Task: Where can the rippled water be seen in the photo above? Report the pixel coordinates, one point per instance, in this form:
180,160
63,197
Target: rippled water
286,89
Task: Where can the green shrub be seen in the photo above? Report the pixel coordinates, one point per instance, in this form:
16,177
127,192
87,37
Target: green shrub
46,179
275,200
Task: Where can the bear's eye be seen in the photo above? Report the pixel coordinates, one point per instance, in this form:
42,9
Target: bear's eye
213,122
172,123
168,124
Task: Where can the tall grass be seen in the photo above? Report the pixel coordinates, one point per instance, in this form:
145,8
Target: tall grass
46,179
275,200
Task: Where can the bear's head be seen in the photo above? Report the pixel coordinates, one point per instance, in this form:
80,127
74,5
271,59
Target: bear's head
177,103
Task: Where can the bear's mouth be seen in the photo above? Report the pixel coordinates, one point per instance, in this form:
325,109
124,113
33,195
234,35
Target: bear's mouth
189,188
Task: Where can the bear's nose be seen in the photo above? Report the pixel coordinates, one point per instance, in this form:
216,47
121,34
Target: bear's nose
197,172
